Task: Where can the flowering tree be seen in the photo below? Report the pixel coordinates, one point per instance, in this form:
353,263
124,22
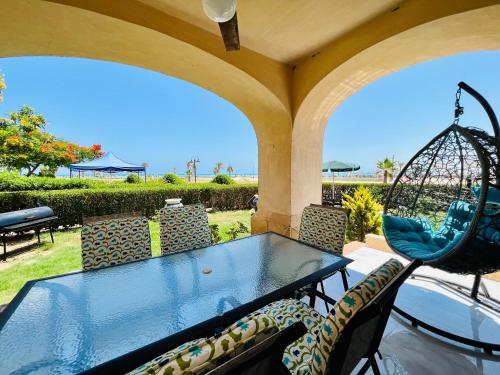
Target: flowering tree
24,144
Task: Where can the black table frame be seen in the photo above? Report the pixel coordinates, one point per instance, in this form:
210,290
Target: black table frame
134,359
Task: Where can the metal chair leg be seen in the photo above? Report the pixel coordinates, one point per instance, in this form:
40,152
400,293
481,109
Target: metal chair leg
323,290
373,361
312,296
343,272
365,367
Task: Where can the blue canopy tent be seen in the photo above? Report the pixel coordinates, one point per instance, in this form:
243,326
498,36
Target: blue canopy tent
107,163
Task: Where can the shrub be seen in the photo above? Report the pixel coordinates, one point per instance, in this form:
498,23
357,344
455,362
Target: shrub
236,229
214,234
223,179
365,214
132,178
71,205
171,178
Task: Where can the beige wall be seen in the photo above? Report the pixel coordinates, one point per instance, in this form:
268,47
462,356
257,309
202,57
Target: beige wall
288,105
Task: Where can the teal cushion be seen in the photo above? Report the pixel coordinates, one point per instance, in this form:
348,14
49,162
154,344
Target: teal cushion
415,238
412,236
493,193
487,228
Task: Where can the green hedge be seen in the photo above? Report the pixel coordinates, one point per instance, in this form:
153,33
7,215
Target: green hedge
10,181
71,205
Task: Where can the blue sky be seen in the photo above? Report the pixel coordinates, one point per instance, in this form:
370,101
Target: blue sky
400,113
144,116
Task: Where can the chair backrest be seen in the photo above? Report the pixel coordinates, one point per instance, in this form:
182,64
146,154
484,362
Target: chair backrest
324,227
183,228
110,242
86,220
203,355
360,319
265,357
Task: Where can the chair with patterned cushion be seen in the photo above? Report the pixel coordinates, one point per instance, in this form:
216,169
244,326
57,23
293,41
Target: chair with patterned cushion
183,228
114,239
202,356
324,227
335,344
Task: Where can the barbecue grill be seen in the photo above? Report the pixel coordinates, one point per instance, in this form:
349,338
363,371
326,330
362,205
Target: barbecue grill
22,220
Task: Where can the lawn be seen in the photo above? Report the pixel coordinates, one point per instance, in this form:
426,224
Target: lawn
64,255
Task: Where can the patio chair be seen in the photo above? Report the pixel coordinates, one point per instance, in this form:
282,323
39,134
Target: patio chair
350,332
114,239
183,228
324,227
444,209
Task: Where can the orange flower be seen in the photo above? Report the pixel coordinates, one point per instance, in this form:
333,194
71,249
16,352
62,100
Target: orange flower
96,147
71,157
13,140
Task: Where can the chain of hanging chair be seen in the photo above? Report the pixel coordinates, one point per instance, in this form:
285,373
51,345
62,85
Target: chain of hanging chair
459,110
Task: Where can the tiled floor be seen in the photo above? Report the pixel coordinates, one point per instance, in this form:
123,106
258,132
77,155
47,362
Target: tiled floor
406,350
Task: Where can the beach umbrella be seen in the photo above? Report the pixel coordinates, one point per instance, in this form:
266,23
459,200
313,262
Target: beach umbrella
336,166
339,166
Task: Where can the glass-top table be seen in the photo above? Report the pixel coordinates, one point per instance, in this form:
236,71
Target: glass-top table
113,319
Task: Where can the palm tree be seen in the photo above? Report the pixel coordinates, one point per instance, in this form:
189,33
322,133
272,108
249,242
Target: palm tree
218,167
229,170
388,167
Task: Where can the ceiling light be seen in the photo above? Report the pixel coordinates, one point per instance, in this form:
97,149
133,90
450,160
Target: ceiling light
219,10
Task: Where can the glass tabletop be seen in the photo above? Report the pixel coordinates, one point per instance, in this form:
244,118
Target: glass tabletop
72,323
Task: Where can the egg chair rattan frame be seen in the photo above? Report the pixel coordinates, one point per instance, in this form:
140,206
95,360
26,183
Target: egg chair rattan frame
460,166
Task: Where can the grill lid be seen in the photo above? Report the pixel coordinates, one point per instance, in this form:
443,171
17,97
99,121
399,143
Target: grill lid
25,216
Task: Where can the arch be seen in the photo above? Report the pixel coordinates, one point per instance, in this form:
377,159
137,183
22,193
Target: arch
62,30
258,86
473,30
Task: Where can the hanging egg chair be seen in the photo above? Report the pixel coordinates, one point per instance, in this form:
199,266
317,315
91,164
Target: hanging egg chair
444,206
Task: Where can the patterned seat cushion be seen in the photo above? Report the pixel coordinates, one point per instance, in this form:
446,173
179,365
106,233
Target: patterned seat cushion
117,241
202,355
343,311
324,228
154,366
286,312
183,228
